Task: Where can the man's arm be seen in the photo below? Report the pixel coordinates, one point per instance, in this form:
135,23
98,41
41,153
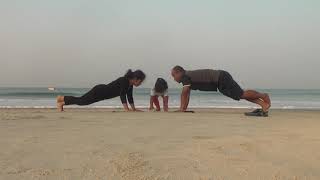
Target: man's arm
185,96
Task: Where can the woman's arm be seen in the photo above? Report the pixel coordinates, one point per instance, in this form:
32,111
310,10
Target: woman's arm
133,107
123,94
130,98
125,107
123,98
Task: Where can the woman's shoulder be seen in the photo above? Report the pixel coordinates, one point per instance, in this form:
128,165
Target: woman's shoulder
120,80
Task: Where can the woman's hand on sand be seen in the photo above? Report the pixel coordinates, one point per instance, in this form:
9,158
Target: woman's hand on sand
137,110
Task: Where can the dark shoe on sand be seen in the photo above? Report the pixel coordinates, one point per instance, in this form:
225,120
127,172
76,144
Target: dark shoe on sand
258,113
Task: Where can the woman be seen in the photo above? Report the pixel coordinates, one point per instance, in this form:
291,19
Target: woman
122,87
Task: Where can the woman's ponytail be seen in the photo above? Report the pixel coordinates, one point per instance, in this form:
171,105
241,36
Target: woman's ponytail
138,74
129,74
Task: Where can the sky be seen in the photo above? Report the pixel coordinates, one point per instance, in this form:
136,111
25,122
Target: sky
81,43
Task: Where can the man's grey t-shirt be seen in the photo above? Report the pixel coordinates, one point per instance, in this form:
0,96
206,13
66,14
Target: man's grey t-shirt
202,79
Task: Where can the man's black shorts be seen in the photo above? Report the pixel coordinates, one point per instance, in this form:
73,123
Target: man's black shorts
229,87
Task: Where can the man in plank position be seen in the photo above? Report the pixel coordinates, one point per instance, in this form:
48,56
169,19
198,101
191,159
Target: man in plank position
214,80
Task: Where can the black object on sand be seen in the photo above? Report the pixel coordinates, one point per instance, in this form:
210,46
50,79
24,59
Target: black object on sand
257,113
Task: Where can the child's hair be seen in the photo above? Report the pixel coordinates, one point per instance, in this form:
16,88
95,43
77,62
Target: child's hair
138,74
161,85
179,69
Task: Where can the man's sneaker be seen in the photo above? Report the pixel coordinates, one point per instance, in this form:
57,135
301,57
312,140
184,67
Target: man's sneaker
258,113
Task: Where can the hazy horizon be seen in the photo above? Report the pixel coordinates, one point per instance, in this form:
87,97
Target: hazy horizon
80,43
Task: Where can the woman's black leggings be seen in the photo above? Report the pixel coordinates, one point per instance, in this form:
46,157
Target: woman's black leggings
98,93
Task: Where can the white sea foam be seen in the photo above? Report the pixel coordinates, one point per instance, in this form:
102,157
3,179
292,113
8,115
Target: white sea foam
145,107
42,98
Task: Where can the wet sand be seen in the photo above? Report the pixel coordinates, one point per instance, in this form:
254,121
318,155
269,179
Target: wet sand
217,144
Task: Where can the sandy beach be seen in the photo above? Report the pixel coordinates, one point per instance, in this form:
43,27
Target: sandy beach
218,144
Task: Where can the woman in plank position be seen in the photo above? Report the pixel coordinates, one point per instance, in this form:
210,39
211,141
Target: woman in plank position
122,87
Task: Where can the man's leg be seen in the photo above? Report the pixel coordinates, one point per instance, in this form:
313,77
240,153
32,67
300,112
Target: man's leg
261,99
231,88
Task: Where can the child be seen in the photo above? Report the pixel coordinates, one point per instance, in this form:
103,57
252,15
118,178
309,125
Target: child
160,89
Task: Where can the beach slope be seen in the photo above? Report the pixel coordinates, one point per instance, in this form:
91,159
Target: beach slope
218,144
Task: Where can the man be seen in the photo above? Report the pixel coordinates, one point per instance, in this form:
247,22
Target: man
214,80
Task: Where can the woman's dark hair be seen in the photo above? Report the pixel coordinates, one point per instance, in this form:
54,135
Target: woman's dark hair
161,85
138,74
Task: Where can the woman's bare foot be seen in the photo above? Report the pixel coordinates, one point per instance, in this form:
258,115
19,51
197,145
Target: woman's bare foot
60,107
60,103
60,98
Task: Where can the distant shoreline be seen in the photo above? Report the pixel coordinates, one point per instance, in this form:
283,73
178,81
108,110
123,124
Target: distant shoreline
42,98
200,109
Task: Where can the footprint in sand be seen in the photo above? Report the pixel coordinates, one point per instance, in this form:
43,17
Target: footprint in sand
246,147
202,137
34,117
8,116
131,166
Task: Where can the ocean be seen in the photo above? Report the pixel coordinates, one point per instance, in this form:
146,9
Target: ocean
45,98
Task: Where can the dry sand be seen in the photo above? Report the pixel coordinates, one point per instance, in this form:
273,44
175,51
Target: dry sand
90,144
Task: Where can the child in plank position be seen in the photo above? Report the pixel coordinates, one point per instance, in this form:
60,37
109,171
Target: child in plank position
160,89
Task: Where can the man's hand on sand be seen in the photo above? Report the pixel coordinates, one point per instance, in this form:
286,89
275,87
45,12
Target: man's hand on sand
184,111
179,110
133,110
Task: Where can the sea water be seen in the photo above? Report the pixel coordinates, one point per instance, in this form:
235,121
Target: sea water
45,98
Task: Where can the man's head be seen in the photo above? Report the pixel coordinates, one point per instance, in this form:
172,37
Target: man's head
177,73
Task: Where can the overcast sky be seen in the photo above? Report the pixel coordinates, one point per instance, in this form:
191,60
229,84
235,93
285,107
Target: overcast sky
79,43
